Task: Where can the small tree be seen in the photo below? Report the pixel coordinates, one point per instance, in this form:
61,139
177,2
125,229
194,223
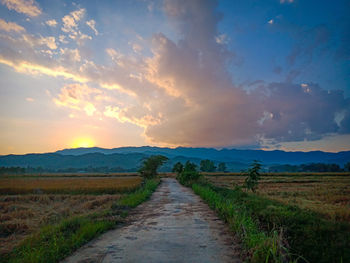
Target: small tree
347,167
151,164
207,166
178,168
222,167
253,176
189,173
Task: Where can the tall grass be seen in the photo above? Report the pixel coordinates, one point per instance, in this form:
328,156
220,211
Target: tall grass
54,242
262,246
274,232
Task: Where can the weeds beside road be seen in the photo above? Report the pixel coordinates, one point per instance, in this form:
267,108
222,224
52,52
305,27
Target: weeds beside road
275,232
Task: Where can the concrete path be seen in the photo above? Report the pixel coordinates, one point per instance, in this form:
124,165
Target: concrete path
175,225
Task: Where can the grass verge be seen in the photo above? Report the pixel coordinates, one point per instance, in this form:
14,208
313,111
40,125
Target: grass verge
275,232
54,242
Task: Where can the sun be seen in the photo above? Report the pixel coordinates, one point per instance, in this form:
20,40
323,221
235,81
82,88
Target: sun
84,142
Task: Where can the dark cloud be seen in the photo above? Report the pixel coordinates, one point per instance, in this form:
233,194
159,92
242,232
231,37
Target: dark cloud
217,112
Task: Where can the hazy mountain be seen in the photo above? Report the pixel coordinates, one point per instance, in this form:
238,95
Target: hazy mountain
130,158
225,155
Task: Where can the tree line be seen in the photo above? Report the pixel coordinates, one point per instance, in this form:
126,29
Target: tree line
311,167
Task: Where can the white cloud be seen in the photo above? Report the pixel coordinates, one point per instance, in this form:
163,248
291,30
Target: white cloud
52,23
28,7
62,39
286,1
10,26
221,39
92,24
70,21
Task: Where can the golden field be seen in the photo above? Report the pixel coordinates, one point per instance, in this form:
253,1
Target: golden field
326,195
27,204
39,184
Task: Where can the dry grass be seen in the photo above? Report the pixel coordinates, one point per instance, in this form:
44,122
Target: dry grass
326,195
78,185
28,203
26,175
22,215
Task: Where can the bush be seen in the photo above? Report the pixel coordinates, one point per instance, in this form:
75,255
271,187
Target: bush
189,174
151,164
253,176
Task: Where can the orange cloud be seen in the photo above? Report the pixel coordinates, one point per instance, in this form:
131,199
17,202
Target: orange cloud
29,68
10,26
28,7
78,97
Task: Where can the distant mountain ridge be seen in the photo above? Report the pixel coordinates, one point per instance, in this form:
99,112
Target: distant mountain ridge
130,158
225,155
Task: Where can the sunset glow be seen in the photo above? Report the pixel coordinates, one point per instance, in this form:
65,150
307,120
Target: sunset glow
201,73
84,142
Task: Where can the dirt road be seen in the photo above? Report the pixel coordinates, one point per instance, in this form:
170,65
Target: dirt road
175,225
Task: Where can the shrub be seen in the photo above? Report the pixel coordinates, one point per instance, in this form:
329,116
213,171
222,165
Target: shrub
151,164
189,174
178,168
253,176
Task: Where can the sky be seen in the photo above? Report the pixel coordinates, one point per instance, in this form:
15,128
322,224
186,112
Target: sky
248,74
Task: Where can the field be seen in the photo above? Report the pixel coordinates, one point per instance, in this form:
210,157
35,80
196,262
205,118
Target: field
71,185
327,195
29,203
297,217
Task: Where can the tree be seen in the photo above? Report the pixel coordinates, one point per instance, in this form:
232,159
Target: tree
222,167
178,168
190,167
253,176
347,167
207,166
151,164
189,173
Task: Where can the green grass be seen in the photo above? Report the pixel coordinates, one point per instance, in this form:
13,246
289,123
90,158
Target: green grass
54,242
272,231
140,195
261,246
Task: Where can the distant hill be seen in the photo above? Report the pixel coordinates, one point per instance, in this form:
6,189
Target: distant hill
130,158
225,155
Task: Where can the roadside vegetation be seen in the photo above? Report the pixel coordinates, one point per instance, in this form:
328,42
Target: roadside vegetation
48,225
271,230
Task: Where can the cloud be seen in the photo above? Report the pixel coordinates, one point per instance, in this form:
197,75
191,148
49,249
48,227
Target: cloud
221,39
27,7
70,21
70,26
77,96
52,23
69,56
183,93
50,42
286,1
10,26
92,24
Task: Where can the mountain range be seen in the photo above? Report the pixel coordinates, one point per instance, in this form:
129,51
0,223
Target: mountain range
130,158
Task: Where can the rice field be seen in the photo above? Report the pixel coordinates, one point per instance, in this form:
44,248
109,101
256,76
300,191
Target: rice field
326,195
29,203
71,185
